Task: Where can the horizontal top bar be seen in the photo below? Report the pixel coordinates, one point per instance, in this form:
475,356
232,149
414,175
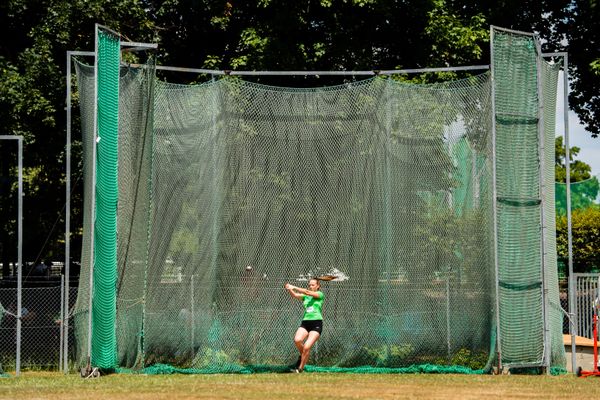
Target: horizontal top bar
131,46
136,46
9,137
254,73
555,54
316,73
439,69
587,274
106,28
80,53
512,31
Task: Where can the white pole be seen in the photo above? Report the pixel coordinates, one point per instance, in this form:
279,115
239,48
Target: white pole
93,200
316,73
448,314
192,310
20,256
542,188
65,320
572,293
62,321
65,303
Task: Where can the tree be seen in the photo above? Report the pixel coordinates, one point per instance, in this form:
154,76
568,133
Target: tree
579,170
584,187
32,92
265,34
577,30
586,239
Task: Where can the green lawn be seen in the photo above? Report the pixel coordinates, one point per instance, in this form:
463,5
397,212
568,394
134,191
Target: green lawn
46,385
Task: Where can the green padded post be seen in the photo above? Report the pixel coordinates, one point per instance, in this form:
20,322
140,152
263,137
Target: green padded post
105,251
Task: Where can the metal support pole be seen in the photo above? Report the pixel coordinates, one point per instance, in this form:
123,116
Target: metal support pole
448,313
64,323
62,320
572,293
20,256
18,311
93,201
192,310
65,317
317,73
542,189
494,202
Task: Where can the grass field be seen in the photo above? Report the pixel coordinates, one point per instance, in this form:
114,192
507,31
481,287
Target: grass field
44,385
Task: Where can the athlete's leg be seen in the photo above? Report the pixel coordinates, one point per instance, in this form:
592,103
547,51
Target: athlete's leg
313,336
299,338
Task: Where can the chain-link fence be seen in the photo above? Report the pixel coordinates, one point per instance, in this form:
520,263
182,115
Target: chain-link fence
586,288
40,327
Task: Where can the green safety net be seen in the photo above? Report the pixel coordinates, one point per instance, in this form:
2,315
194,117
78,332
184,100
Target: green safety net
525,103
105,250
104,340
585,205
389,183
584,194
554,311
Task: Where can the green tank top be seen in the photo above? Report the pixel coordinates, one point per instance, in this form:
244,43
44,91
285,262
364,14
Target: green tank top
313,307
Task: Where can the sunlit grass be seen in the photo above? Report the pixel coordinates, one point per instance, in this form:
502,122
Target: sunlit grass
36,385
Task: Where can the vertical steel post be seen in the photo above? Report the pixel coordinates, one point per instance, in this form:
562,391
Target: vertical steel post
192,310
542,189
18,311
93,200
448,314
65,318
571,282
62,320
19,256
65,305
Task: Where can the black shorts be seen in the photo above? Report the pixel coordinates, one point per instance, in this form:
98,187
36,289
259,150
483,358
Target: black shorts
314,325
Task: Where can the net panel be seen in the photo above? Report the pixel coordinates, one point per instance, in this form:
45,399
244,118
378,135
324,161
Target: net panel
549,76
293,182
85,84
518,195
584,194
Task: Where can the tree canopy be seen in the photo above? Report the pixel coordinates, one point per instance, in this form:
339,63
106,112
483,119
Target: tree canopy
579,170
260,34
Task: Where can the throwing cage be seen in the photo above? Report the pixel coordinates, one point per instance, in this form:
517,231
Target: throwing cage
436,201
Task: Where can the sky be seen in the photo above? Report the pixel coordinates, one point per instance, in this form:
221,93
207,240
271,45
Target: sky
578,136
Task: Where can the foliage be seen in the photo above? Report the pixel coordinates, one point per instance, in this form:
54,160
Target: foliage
586,238
389,356
583,195
263,34
578,27
454,241
470,359
595,66
384,356
32,93
584,187
209,358
579,170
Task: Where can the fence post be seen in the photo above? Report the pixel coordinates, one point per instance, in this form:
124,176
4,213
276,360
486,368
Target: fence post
62,321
